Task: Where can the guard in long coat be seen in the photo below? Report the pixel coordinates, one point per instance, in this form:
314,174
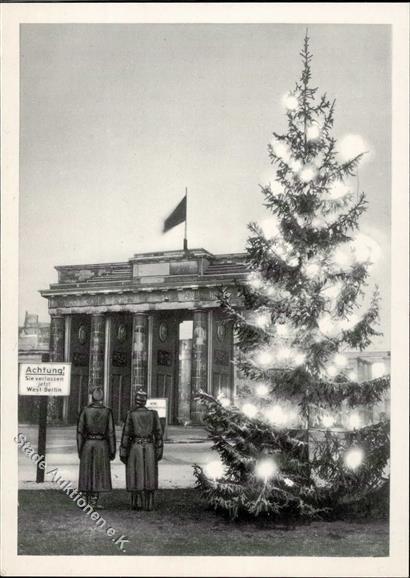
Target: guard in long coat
96,447
141,449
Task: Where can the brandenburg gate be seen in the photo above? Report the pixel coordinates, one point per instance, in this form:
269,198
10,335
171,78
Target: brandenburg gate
119,326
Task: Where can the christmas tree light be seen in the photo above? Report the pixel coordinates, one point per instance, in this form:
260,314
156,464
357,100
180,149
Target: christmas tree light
327,325
224,401
355,421
328,420
249,410
270,227
333,291
276,415
293,261
338,190
282,330
255,280
264,358
214,470
262,319
276,188
319,223
276,250
308,173
262,389
299,358
312,132
266,469
343,256
312,270
281,150
366,250
290,101
284,353
354,458
351,146
332,371
271,291
295,165
340,360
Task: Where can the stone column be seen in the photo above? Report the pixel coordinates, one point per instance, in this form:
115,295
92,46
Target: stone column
139,352
67,358
149,352
199,361
210,350
107,360
184,381
232,385
57,329
97,348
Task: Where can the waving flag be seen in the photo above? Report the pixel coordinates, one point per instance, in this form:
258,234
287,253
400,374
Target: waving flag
177,216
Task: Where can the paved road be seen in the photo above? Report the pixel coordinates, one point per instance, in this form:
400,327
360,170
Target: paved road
184,447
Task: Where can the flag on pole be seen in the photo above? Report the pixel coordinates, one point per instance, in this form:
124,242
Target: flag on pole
177,216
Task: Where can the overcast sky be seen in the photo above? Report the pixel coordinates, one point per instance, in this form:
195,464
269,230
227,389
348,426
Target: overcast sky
117,119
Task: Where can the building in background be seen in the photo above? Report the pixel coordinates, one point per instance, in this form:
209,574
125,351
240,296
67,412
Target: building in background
33,347
120,324
367,365
34,339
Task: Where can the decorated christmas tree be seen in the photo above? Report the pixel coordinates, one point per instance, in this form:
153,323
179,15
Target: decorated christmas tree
304,440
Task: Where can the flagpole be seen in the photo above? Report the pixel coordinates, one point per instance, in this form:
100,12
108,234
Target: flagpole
186,220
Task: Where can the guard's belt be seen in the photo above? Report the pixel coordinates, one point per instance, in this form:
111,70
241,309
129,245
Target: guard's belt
142,440
92,436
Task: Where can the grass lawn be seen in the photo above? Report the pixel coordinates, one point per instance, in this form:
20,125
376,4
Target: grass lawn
51,524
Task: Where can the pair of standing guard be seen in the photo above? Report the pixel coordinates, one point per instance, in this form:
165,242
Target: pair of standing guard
141,449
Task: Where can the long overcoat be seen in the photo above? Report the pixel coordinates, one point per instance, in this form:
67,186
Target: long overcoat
96,447
141,447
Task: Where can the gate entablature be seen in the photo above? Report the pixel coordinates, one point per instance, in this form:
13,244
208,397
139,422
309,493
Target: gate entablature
166,280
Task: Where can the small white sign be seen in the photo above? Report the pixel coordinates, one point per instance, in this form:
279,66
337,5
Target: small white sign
44,378
159,404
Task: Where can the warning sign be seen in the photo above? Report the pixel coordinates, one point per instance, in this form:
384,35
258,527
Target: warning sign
44,378
159,404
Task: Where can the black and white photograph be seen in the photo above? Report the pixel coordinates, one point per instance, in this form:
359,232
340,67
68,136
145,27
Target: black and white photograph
204,304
